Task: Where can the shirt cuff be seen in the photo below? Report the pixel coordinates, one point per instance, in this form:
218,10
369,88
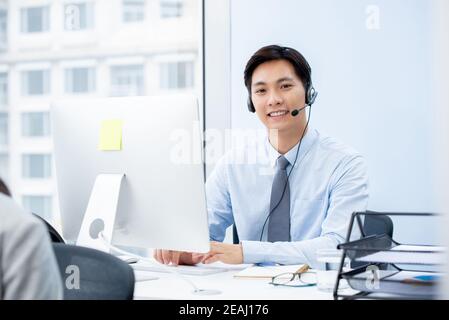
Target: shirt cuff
254,251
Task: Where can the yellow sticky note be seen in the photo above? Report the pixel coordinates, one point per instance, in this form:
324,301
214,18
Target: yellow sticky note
111,135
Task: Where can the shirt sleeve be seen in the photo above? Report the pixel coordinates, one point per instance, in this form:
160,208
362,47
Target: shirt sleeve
219,206
348,194
29,267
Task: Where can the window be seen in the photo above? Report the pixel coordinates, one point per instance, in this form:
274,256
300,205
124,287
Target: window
78,16
171,8
34,19
3,29
35,82
3,89
36,166
127,80
4,167
35,124
3,128
133,10
176,75
79,80
40,205
91,48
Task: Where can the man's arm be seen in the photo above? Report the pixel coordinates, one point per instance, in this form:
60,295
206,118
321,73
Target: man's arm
219,206
349,194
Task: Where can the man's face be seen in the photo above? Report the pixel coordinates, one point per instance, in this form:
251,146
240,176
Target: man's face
275,91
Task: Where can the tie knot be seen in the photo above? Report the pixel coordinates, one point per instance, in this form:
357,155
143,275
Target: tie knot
282,163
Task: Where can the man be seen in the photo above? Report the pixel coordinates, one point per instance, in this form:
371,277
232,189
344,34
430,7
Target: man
316,184
28,268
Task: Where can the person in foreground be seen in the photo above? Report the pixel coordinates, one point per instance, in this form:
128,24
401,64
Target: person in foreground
300,198
28,268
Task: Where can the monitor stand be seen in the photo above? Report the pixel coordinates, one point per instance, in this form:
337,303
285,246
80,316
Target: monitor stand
101,212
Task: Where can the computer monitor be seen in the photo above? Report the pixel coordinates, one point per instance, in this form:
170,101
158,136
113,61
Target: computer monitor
162,201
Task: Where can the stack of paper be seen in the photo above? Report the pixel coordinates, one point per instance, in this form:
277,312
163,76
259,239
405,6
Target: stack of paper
405,254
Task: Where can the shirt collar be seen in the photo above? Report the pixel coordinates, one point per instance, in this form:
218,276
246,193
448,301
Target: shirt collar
307,141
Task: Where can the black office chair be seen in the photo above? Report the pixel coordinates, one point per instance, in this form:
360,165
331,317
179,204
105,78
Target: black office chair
54,235
101,275
377,224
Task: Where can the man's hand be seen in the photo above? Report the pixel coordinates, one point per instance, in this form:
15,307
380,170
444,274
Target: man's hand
224,252
177,257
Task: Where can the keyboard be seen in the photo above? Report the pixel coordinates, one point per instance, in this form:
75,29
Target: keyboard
187,270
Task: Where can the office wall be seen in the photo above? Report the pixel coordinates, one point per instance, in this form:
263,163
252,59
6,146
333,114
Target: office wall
441,63
371,64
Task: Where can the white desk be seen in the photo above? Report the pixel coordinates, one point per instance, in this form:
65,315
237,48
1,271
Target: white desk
170,286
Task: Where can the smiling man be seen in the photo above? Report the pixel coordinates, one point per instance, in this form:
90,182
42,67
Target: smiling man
315,184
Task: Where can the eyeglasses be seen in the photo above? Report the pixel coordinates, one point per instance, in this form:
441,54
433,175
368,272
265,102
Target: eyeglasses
295,279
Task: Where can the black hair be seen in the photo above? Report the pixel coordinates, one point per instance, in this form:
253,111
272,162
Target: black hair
276,52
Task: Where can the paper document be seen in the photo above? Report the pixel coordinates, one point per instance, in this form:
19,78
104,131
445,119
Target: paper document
415,277
420,255
404,247
257,272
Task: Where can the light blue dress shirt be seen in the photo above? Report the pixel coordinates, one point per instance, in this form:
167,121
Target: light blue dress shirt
329,183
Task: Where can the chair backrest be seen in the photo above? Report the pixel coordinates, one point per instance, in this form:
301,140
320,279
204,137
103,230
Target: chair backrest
54,235
92,274
377,224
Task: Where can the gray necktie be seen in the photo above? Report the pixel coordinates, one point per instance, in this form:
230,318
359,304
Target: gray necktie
279,223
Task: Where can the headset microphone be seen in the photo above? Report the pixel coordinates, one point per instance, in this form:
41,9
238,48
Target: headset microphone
311,96
295,112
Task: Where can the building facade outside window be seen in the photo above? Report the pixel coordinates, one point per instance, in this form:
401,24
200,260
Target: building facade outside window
78,16
79,80
171,8
177,75
127,80
36,124
133,10
40,205
3,90
3,128
36,166
35,19
35,82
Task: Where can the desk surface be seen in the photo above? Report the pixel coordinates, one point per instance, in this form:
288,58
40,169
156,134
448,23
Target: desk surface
171,286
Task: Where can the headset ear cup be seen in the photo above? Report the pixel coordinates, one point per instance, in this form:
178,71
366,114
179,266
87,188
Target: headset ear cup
311,95
251,106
